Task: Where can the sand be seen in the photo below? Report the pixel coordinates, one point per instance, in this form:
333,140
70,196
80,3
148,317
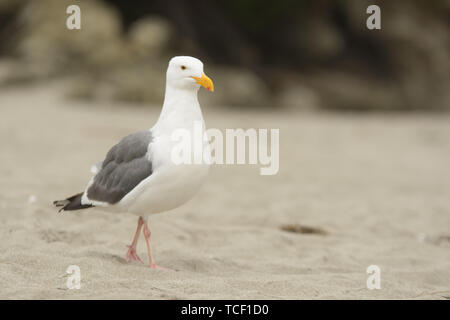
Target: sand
377,185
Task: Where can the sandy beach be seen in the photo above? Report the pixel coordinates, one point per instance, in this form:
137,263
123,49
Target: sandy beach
373,189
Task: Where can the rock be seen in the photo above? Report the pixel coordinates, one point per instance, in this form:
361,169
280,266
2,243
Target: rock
413,44
319,40
47,43
237,87
149,37
298,96
343,91
421,61
142,84
7,5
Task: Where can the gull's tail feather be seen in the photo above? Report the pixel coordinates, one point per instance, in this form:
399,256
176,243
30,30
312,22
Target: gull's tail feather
71,203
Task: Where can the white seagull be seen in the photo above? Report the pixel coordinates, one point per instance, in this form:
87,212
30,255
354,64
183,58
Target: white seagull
138,174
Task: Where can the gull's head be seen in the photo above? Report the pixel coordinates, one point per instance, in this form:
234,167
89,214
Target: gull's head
187,73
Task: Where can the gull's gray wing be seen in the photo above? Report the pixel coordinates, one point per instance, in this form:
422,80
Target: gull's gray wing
125,166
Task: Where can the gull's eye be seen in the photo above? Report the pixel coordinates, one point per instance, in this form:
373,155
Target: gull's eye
183,67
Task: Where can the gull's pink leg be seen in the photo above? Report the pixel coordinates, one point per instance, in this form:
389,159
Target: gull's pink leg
147,234
131,253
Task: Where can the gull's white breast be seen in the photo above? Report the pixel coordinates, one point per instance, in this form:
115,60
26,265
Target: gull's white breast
169,186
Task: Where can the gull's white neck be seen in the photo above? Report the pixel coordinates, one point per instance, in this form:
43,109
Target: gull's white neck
180,109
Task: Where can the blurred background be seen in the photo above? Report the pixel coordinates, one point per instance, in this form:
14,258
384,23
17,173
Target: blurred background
309,55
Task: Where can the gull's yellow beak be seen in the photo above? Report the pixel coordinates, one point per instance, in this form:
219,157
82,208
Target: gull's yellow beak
205,82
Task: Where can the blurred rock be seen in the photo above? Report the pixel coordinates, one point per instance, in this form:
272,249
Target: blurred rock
150,37
341,64
6,67
50,48
414,43
296,95
419,50
237,87
343,91
139,84
320,40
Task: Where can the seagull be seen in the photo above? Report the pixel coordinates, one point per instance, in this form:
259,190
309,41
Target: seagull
138,174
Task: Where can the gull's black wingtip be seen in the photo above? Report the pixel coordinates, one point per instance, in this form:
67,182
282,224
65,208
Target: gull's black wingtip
71,203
